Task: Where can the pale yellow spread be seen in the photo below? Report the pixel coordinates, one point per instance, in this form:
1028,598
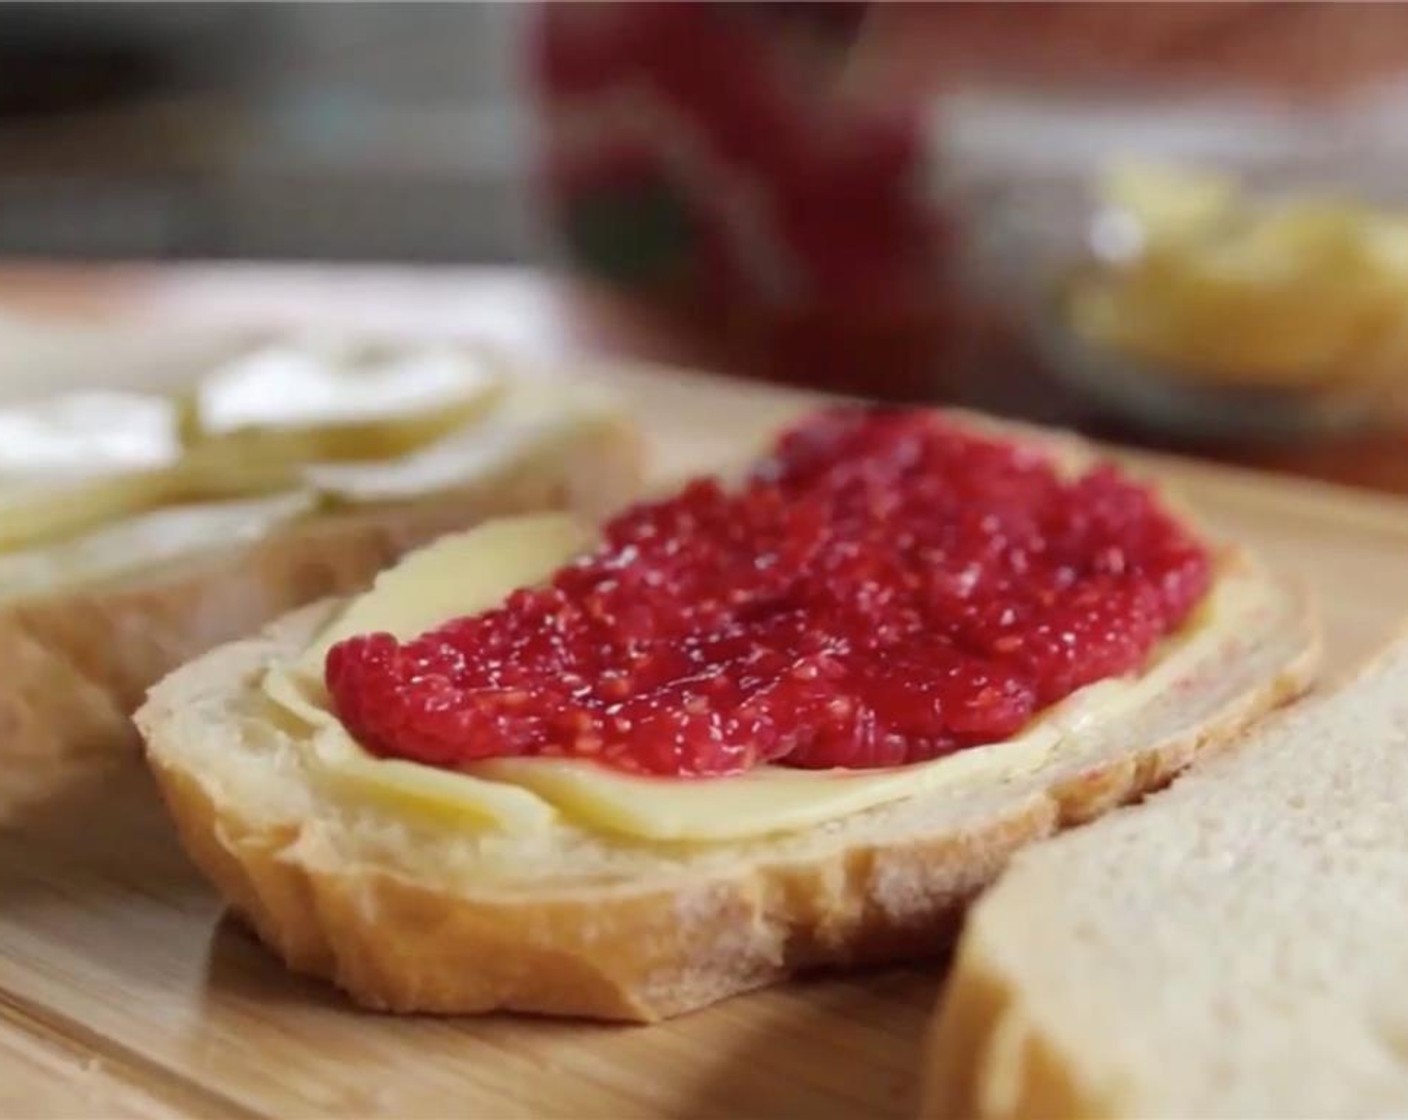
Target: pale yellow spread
75,461
95,483
146,540
309,404
1197,280
461,574
470,572
316,388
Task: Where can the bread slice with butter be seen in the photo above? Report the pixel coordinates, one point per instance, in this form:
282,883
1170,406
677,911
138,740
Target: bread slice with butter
1235,946
125,551
557,886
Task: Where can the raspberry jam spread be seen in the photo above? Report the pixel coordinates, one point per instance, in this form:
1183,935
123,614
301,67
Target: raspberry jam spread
885,588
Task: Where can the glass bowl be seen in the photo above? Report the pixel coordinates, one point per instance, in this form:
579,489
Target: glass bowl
1300,228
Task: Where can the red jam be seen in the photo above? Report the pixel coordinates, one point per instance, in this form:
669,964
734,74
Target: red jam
885,588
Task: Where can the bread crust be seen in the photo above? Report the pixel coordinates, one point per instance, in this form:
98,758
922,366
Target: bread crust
635,949
961,1078
79,661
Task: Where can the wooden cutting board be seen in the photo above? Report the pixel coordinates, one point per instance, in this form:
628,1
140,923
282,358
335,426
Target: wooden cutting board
124,993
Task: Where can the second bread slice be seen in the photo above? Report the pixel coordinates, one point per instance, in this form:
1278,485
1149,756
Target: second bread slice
1237,946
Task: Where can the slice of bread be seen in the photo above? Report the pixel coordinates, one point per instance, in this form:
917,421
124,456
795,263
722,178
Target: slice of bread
1237,946
80,655
410,913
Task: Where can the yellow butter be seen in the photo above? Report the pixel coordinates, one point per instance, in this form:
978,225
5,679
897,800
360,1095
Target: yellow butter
457,575
527,420
425,793
87,478
468,572
87,434
1298,293
77,460
770,798
1170,207
308,403
33,511
145,540
464,573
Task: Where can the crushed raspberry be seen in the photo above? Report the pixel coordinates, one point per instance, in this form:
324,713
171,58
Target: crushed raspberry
885,588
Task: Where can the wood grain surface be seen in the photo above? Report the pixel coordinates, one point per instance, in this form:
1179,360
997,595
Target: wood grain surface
123,992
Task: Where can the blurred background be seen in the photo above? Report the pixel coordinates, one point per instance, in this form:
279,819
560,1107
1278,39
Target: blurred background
1175,220
305,131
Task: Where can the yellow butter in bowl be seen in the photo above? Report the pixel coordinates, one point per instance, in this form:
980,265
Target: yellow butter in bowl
1200,281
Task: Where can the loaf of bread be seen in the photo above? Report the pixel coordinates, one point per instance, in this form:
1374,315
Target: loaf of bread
1236,946
432,912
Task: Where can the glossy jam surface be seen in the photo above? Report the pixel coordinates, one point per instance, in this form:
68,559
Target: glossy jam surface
884,589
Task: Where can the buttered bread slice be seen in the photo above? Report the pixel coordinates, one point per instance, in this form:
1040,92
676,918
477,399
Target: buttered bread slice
138,530
736,732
